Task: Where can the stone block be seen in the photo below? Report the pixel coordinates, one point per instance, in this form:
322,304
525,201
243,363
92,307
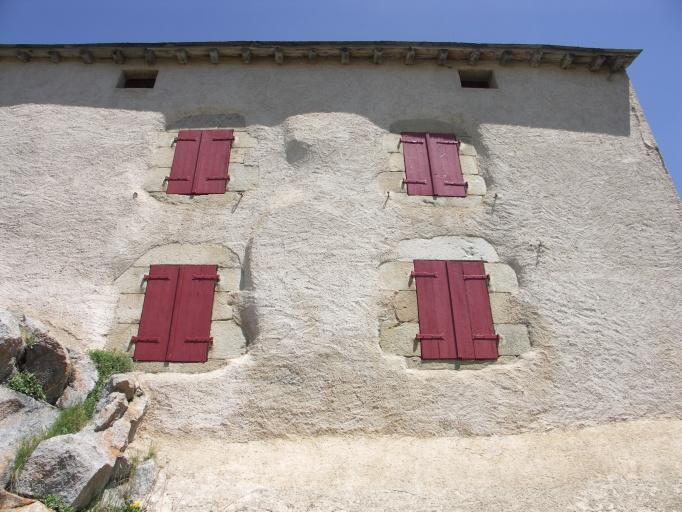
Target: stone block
504,308
154,179
243,177
238,156
391,182
416,363
502,277
230,279
243,140
228,340
129,308
131,280
119,337
162,157
469,201
396,162
405,305
468,164
476,185
391,142
165,139
190,254
466,149
395,275
222,306
447,248
401,340
514,339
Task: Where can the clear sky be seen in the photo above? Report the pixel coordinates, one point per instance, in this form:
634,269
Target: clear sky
653,25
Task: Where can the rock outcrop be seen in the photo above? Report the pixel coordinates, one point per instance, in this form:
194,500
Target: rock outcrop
11,343
20,417
77,467
12,503
49,361
82,381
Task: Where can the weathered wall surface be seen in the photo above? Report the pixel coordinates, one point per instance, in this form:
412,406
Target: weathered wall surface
577,202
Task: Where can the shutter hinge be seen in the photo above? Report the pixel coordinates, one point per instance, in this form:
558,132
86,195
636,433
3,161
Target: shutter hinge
228,138
457,184
218,178
168,178
429,336
207,277
414,182
147,277
486,337
423,274
178,139
200,340
135,339
482,276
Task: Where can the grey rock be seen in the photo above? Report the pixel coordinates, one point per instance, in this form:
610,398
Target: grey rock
113,498
9,501
136,411
83,379
109,409
49,361
119,434
75,467
20,417
11,350
122,383
142,479
9,325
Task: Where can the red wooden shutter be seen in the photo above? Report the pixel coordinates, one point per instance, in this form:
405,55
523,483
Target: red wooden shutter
153,333
190,336
436,331
474,331
211,175
181,178
446,171
417,172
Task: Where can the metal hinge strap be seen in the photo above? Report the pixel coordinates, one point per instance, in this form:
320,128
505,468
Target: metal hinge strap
457,184
200,340
218,178
415,182
135,339
482,276
486,337
168,178
207,277
147,277
429,336
423,274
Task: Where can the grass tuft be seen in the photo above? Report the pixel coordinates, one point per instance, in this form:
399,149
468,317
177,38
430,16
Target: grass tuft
73,419
57,504
28,384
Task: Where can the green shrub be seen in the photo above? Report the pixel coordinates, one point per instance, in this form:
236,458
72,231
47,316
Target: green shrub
28,384
57,504
74,418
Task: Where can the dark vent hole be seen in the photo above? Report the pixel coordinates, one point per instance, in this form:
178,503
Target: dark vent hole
477,79
144,79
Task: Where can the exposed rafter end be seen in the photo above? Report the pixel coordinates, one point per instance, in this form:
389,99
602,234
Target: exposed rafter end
87,57
149,56
246,55
118,57
617,64
536,58
182,55
214,55
566,61
597,62
410,56
505,57
312,55
442,57
345,55
55,56
279,56
378,56
474,57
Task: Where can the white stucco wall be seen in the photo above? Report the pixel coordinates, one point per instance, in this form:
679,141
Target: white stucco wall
577,202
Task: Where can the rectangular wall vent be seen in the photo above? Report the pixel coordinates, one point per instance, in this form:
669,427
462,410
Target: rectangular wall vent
138,79
477,79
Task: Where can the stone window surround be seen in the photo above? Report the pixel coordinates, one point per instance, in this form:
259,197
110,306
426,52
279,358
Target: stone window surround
391,179
243,170
399,319
228,338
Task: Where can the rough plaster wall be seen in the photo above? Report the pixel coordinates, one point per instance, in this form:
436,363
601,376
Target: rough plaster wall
584,212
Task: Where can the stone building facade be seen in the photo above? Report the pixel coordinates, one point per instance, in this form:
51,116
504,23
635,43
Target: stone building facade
314,393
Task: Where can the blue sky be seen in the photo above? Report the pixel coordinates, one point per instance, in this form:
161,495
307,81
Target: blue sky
654,25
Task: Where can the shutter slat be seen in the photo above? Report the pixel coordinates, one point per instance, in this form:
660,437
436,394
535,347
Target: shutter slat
191,328
446,171
151,342
184,164
211,174
417,173
474,331
480,314
436,331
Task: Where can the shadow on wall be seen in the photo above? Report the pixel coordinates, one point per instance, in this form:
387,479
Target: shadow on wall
546,97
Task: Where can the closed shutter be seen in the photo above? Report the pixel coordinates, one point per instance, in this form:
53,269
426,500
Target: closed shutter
181,178
446,171
455,319
211,175
436,331
417,170
151,342
190,336
474,331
